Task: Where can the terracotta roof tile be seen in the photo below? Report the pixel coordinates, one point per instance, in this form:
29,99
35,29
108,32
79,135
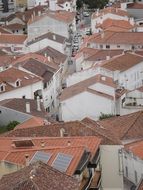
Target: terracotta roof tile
112,10
46,178
7,77
32,122
19,104
77,147
12,38
62,16
136,148
83,85
135,6
123,24
57,56
122,62
102,54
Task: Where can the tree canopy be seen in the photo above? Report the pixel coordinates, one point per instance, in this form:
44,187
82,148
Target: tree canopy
92,4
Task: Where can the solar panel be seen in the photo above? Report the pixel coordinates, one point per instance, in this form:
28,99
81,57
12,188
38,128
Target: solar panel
62,162
41,156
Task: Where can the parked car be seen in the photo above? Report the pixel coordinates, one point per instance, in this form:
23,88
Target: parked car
86,14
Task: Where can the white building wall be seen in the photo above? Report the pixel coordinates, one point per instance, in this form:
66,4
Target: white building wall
112,169
85,74
131,164
132,78
46,24
27,91
44,43
15,21
77,107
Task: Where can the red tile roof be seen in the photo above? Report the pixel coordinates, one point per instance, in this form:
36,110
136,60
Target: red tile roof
123,24
109,37
12,38
52,145
7,77
111,10
122,62
62,16
38,175
136,148
85,85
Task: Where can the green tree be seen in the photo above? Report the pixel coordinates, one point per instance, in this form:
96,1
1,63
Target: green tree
92,4
105,116
8,127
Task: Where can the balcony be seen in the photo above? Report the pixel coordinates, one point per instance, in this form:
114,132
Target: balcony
131,102
96,181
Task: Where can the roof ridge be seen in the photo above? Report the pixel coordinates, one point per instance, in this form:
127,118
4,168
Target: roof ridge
140,112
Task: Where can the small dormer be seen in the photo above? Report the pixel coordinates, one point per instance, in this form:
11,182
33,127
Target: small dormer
17,83
2,87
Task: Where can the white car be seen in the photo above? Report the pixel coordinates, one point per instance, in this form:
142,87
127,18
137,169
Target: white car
86,14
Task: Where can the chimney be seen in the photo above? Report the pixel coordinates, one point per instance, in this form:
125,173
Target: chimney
39,13
27,107
45,54
33,13
54,37
69,143
38,104
97,12
62,131
42,144
107,57
27,159
103,78
32,17
49,58
131,20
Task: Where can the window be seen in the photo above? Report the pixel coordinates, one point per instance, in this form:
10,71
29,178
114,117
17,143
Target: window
66,4
101,46
51,97
24,97
45,85
17,83
2,88
118,46
136,177
53,104
126,170
107,46
48,109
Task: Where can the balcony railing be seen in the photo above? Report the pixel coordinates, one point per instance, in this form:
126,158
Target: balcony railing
96,181
132,102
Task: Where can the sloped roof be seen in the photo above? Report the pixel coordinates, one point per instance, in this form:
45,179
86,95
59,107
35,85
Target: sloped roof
111,10
54,146
38,68
122,62
125,127
84,86
45,177
7,77
115,23
110,37
86,127
12,38
136,148
19,104
57,56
